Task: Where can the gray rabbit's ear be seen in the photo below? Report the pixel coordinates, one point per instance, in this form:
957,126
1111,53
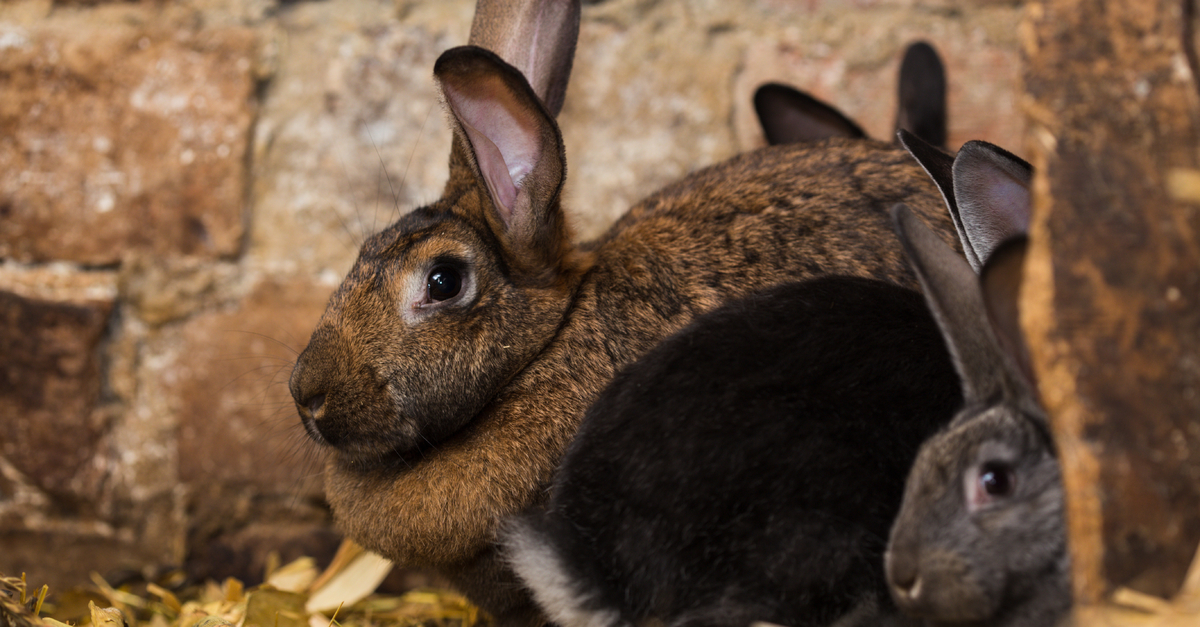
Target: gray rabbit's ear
537,37
939,165
953,293
991,189
921,109
516,147
1001,282
790,116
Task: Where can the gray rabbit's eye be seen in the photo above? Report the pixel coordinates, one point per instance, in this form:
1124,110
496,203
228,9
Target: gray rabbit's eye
996,478
988,483
444,283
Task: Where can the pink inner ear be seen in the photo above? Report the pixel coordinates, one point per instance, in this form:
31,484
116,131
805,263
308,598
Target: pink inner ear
1007,202
993,201
505,141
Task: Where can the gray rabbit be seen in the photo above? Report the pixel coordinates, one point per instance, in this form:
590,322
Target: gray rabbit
986,189
980,537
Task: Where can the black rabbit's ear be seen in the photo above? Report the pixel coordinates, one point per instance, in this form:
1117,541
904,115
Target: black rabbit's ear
516,147
535,36
921,109
991,188
790,116
953,293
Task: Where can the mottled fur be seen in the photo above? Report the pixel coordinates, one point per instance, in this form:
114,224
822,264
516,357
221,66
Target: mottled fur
747,468
444,418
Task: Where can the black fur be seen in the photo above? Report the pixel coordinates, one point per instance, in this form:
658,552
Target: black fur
749,467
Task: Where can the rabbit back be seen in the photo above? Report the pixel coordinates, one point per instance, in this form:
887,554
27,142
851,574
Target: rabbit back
748,468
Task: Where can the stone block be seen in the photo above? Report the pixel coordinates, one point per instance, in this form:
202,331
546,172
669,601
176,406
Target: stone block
253,479
237,423
851,60
52,421
122,133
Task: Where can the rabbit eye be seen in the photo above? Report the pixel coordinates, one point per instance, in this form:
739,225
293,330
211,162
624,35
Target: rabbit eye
996,479
989,482
444,283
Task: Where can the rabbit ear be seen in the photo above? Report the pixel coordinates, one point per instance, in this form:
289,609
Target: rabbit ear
953,293
940,167
535,36
1001,281
922,98
517,148
788,116
991,188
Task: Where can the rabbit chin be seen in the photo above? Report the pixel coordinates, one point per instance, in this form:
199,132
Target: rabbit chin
395,446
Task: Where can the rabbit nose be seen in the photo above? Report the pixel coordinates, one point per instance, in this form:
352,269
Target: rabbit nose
907,585
315,404
904,577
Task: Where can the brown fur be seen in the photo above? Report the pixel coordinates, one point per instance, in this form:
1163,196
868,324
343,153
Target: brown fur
444,419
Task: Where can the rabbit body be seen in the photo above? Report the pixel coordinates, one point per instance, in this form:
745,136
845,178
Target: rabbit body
748,467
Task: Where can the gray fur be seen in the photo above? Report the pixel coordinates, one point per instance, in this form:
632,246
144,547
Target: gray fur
957,553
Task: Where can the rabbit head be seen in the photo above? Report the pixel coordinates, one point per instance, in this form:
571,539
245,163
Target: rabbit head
788,115
490,260
985,187
980,537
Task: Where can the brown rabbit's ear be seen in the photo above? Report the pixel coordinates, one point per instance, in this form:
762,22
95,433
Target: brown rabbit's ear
921,109
991,189
535,36
953,293
517,148
790,116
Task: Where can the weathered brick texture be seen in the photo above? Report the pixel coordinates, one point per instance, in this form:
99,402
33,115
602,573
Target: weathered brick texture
120,136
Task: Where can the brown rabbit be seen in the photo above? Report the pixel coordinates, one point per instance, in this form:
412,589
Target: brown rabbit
454,363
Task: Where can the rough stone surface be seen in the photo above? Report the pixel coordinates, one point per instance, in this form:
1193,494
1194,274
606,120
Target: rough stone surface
220,161
122,132
250,472
237,422
51,416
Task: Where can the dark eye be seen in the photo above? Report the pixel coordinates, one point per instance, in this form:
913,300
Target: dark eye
996,479
444,283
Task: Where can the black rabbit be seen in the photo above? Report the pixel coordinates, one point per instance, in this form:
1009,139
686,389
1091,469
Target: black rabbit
748,468
788,115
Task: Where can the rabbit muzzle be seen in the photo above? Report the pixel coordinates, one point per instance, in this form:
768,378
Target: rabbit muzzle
345,405
936,585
